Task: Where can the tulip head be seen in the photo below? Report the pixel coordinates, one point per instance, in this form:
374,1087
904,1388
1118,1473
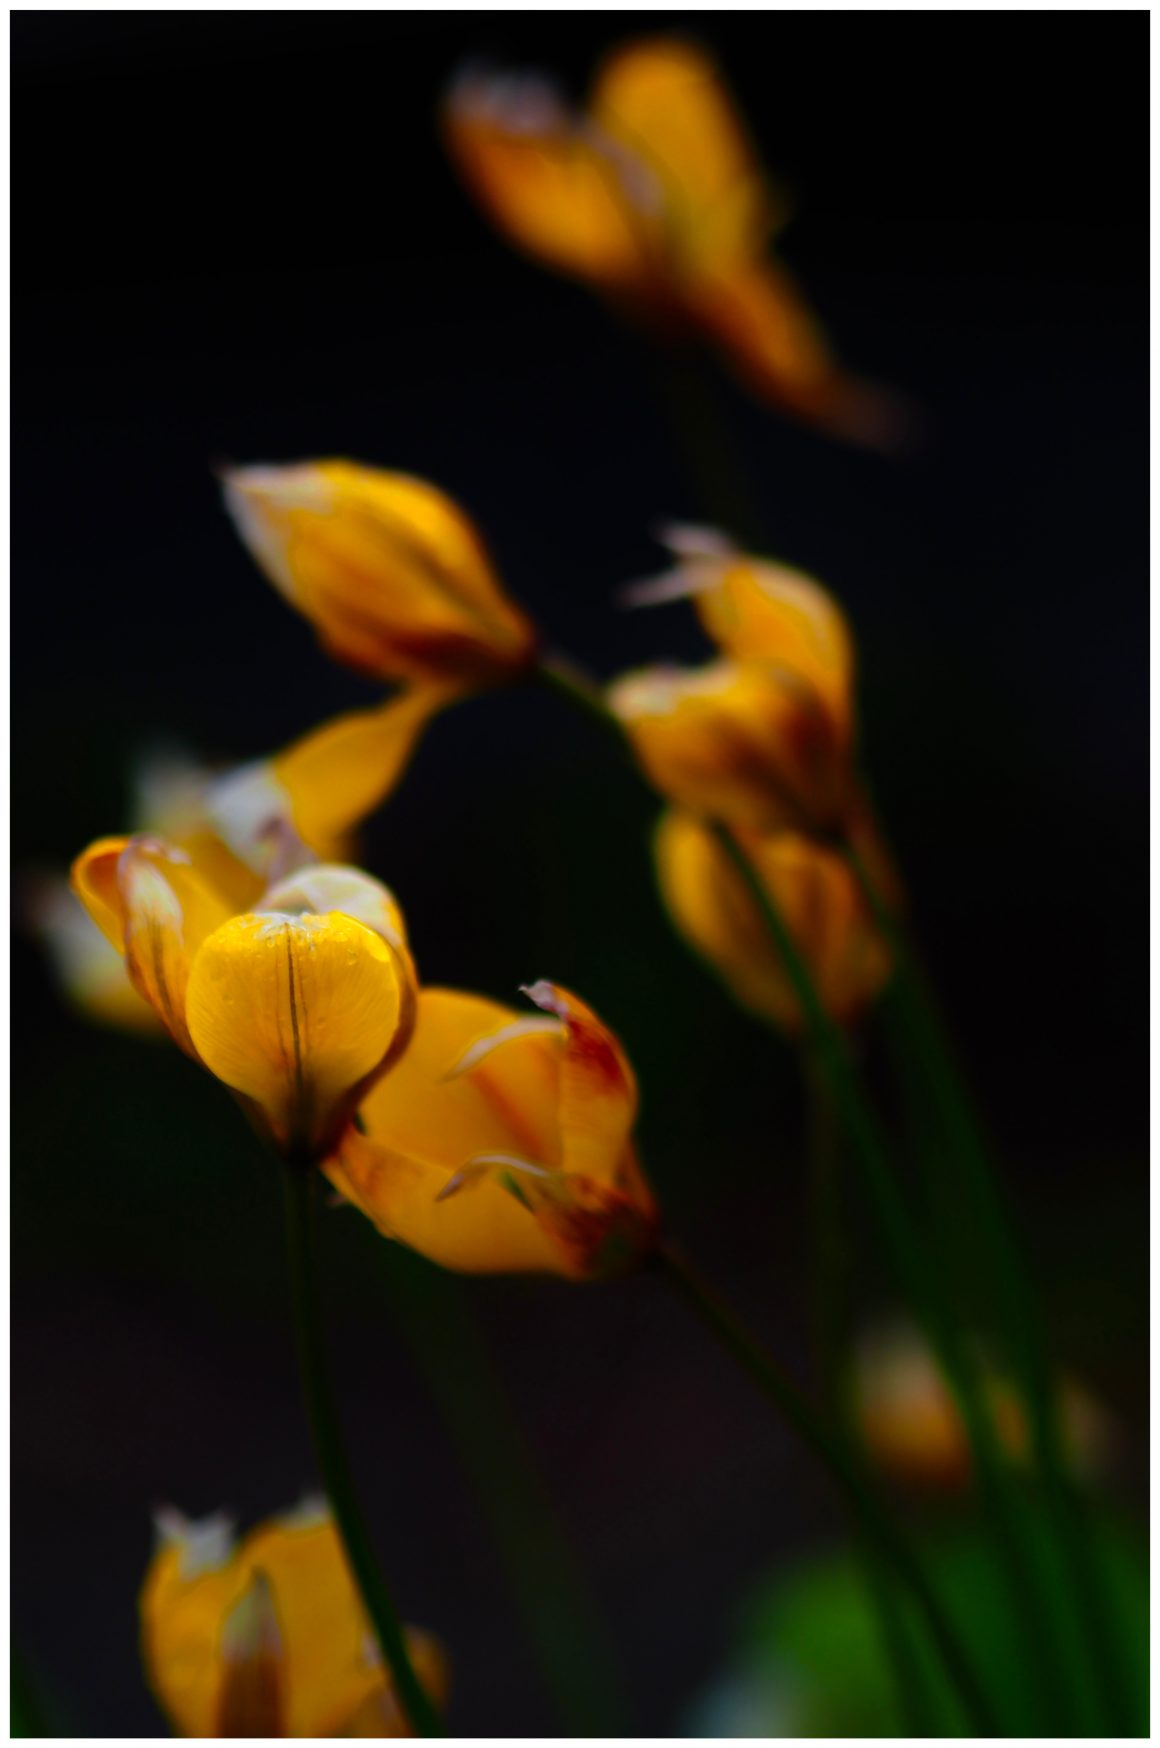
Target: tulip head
750,743
391,574
298,1005
503,1142
814,892
654,195
268,1637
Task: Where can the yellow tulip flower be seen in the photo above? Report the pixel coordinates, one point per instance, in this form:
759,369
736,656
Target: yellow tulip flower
298,1004
911,1425
817,897
394,578
268,1637
654,195
240,829
751,743
503,1143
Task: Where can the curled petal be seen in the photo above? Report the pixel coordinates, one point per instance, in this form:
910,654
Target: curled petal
94,880
482,1048
90,970
598,1095
299,1014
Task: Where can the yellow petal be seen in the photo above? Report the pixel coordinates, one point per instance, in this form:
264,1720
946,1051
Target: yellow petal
251,1700
598,1094
298,1014
338,775
557,186
749,742
422,1125
155,907
757,609
780,350
666,101
813,891
94,880
390,572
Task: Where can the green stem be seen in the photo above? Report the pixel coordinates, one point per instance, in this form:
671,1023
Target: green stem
322,1412
921,1280
843,1470
562,1621
974,1186
690,399
827,1272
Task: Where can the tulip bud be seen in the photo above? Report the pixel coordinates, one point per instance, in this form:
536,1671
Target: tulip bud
816,896
749,743
389,571
268,1637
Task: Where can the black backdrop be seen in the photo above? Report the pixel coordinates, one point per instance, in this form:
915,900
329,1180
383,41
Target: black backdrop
236,237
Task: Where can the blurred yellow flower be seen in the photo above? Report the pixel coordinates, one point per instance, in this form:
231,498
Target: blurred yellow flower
757,609
654,195
750,743
268,1637
503,1143
817,897
298,1004
912,1427
394,578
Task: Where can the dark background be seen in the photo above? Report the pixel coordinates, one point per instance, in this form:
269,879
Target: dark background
237,238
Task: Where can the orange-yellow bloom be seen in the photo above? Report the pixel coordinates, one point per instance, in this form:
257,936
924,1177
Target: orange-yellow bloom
503,1143
298,1003
394,578
654,195
913,1429
816,896
268,1637
240,829
750,743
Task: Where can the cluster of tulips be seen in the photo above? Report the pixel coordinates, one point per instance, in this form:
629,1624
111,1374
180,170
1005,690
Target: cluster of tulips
491,1138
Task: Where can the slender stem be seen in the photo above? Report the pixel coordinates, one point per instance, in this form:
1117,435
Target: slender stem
563,1623
924,1287
690,399
842,1468
974,1185
322,1411
827,1272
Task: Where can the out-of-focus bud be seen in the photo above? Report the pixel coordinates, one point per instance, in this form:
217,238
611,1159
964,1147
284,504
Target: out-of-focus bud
268,1637
912,1427
653,194
816,896
391,574
503,1143
749,743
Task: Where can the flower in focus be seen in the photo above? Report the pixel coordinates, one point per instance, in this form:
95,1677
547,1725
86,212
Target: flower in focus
242,829
912,1427
392,575
749,743
817,897
503,1142
299,1003
268,1637
654,195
